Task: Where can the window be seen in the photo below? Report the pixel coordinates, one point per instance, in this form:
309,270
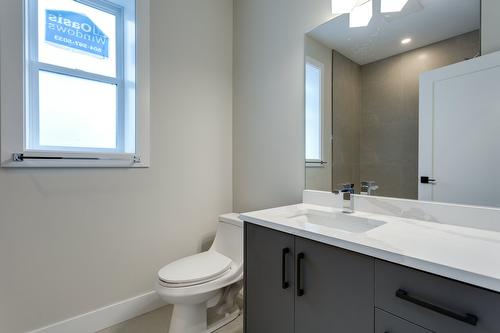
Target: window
75,60
80,100
313,114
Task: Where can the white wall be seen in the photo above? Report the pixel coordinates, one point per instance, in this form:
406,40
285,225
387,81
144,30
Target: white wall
490,26
72,241
269,98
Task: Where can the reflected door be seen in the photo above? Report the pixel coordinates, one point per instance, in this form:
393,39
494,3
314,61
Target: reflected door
459,130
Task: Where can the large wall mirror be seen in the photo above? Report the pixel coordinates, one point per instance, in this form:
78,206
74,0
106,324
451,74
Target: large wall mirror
362,73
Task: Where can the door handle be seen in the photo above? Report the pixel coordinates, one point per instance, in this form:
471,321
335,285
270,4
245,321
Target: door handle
427,180
467,318
300,289
284,282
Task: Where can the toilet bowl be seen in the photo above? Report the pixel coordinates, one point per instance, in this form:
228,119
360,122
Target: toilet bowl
212,278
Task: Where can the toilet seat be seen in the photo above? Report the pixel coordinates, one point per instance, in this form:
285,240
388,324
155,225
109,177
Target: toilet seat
196,269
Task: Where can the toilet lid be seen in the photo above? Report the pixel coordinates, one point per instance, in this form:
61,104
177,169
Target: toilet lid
198,268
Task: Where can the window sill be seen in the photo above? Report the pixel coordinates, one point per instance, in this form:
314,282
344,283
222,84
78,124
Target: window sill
316,164
62,161
73,164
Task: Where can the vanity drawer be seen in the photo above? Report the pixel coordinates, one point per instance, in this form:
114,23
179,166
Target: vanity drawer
387,323
439,304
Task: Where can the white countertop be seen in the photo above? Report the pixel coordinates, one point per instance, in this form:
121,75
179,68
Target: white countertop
461,253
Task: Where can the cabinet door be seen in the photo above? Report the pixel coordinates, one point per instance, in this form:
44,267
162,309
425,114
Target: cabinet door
269,280
387,323
337,288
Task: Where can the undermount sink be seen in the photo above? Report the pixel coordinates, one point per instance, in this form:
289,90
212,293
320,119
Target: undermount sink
341,221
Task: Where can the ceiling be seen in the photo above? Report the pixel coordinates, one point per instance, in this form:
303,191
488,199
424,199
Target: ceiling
424,21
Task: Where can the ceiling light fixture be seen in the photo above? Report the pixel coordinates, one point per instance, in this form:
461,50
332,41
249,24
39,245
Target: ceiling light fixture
361,15
391,6
343,6
406,41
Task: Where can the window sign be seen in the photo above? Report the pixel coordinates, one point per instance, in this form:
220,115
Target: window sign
76,35
75,31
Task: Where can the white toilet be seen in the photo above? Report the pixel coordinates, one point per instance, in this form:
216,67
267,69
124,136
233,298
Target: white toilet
212,278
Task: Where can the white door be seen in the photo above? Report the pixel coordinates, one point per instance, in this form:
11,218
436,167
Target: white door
459,133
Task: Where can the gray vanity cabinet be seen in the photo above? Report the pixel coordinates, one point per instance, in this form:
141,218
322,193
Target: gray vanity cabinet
437,303
296,285
388,323
269,280
312,288
337,289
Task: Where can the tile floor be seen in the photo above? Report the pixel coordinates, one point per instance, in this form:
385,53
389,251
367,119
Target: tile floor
157,321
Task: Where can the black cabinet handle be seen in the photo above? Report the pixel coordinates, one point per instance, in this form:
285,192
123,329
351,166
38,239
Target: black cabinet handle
300,290
284,282
467,318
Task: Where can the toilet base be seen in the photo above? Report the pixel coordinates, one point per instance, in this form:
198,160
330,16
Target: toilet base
192,318
189,318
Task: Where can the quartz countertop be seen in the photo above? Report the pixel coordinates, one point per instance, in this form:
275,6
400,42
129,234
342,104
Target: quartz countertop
461,253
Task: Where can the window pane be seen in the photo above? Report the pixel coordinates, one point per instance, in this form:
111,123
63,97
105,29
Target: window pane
313,112
76,112
76,36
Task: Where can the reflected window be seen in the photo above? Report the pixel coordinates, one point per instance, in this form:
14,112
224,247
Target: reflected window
313,114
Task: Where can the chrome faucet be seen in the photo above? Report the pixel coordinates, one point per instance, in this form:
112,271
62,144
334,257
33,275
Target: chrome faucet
347,204
368,187
347,190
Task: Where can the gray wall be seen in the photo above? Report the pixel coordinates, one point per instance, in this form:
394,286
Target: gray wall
490,26
346,120
389,116
320,177
269,99
72,241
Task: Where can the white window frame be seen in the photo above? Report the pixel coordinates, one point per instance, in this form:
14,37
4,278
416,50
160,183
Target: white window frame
317,163
34,66
16,71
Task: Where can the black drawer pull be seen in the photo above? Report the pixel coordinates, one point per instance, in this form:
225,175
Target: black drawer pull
468,318
300,289
284,282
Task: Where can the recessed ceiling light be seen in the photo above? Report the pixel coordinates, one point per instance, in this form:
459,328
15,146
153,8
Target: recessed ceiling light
405,40
361,15
391,6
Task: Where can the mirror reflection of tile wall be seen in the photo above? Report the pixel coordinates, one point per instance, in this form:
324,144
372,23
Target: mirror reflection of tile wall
389,112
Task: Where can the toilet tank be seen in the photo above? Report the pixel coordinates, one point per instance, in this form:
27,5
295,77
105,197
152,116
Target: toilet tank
229,237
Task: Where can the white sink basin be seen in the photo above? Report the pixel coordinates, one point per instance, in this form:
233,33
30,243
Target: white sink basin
341,221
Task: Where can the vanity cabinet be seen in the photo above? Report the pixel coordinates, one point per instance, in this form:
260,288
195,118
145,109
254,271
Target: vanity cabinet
337,288
269,280
293,284
436,303
297,285
388,323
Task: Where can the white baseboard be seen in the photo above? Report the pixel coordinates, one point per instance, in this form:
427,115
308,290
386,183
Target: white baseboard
107,316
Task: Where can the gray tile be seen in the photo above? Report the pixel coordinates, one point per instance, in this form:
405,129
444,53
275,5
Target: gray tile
157,322
389,115
153,322
235,326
